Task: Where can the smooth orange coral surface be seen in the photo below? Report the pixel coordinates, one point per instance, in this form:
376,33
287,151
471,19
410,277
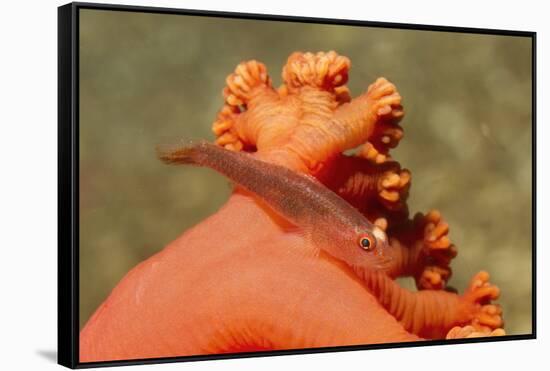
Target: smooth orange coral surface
244,280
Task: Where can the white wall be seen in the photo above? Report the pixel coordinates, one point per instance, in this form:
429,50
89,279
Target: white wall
28,135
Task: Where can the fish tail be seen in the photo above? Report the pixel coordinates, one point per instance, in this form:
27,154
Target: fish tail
184,153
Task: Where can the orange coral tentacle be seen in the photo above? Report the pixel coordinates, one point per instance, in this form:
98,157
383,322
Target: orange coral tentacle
429,314
426,248
369,152
326,134
437,252
476,303
432,313
373,117
469,331
324,71
249,80
243,84
406,258
377,190
224,128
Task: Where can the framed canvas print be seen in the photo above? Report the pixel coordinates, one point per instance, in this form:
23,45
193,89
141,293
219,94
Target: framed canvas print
237,185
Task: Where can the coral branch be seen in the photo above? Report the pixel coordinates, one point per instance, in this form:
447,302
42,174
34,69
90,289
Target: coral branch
249,81
476,304
432,313
379,190
371,117
248,78
311,115
424,250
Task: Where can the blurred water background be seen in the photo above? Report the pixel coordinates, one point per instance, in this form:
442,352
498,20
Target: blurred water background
147,79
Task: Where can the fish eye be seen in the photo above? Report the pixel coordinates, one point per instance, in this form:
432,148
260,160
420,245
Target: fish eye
366,242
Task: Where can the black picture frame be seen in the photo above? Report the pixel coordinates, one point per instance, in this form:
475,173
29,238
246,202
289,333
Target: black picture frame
68,180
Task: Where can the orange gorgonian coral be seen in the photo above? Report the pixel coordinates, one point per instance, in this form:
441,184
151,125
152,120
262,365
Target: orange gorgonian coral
310,121
243,281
